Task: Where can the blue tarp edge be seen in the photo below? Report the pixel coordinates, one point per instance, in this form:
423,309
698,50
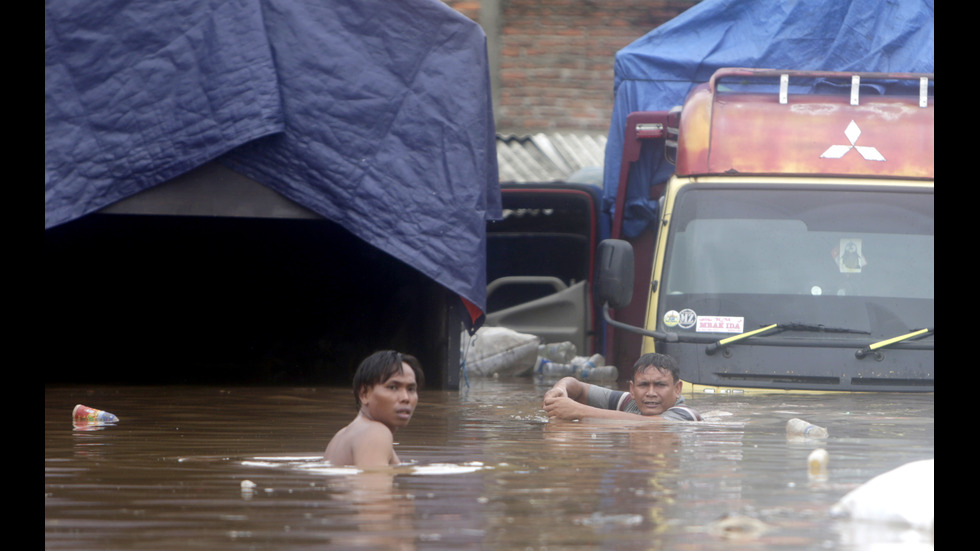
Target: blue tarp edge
383,126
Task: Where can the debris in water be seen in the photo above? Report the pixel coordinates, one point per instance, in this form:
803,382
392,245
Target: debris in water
798,428
904,495
816,464
248,489
735,526
85,416
602,519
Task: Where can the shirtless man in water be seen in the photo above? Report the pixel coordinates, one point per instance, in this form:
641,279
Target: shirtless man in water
385,393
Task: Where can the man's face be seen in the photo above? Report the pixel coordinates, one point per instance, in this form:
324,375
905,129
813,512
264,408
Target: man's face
654,390
393,401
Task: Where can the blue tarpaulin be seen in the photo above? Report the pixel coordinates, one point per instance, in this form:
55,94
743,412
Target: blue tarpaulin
374,114
657,71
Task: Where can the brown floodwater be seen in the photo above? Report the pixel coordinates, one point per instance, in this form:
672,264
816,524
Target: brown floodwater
484,469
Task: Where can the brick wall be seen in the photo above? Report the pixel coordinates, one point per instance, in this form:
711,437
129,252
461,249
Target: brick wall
554,68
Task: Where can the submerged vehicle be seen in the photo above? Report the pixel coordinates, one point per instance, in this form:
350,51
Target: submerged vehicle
794,246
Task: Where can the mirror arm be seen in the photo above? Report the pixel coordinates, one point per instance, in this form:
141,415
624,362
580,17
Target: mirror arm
655,335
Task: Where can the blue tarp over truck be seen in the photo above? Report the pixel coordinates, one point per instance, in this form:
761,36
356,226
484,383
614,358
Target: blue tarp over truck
374,114
657,71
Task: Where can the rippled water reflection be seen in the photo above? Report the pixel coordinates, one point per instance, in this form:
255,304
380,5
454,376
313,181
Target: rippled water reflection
485,470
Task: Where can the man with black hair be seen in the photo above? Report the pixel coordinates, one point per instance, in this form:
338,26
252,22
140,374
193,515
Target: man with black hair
386,387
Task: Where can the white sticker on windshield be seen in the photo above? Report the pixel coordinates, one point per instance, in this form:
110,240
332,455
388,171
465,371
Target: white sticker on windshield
721,324
849,256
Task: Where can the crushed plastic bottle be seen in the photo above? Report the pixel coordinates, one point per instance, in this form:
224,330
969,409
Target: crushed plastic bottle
598,373
560,352
549,369
86,418
801,429
593,368
582,368
595,360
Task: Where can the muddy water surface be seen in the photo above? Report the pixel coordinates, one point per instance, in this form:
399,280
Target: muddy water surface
484,470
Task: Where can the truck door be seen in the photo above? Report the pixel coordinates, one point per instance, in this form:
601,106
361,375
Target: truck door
540,262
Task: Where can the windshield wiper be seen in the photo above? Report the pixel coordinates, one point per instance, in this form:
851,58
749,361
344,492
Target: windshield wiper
873,348
779,327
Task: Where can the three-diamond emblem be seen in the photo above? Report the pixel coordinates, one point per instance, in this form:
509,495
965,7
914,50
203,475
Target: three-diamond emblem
852,133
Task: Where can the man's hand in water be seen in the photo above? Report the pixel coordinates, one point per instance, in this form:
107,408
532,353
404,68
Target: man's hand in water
556,392
558,405
566,399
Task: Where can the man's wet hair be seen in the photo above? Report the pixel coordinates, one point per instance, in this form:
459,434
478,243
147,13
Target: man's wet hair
381,366
660,361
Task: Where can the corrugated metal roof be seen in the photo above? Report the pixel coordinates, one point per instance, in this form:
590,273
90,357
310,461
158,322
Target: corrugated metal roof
547,157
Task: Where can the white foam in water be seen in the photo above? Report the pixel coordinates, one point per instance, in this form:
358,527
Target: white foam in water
316,464
447,468
311,463
328,470
290,458
281,461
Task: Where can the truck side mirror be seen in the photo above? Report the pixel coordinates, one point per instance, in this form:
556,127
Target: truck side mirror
615,278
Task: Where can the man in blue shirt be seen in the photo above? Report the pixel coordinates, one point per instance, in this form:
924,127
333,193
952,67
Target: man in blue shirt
654,392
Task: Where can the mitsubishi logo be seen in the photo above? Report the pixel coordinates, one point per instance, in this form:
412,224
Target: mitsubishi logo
853,133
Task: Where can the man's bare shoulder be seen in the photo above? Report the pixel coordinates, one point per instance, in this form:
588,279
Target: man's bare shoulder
338,450
362,441
368,432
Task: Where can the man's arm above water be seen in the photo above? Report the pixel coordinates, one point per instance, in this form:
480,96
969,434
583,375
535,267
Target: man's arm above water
568,400
569,387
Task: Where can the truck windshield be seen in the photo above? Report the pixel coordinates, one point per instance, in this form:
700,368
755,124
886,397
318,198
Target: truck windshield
744,258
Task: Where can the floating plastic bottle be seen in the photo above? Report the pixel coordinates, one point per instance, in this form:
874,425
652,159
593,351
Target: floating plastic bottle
549,369
581,368
816,464
802,429
248,489
592,361
599,373
91,416
594,368
560,352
